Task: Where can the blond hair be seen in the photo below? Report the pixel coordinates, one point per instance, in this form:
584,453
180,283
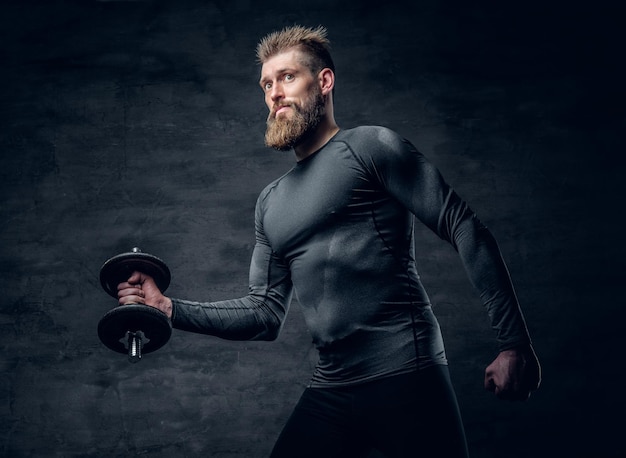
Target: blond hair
311,41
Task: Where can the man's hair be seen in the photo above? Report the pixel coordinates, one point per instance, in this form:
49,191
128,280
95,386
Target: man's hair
311,41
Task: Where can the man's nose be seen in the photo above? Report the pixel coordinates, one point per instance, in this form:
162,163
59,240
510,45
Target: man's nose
276,93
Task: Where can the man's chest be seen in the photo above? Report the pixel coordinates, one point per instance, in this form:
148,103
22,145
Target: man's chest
316,198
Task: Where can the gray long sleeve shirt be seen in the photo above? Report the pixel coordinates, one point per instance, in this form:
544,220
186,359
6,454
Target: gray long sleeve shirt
338,228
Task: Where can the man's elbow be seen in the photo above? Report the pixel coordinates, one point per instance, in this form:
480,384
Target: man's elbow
271,330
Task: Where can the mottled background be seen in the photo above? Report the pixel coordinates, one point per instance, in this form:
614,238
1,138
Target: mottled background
139,123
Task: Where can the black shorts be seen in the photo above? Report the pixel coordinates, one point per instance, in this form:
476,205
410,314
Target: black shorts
410,415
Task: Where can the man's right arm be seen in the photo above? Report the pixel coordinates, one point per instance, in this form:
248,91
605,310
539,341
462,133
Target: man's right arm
257,316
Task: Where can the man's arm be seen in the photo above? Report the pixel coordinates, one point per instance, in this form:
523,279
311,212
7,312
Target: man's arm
257,316
415,182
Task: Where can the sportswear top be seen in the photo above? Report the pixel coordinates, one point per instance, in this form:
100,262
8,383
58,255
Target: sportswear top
338,228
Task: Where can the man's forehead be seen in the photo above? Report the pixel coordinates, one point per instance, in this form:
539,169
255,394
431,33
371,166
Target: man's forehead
290,58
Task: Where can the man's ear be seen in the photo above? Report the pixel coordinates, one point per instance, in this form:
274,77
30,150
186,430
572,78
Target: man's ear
326,78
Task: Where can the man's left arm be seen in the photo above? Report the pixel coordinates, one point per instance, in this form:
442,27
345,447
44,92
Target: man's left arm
415,182
515,372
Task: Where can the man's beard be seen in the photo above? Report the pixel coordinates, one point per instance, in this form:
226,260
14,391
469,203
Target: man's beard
284,133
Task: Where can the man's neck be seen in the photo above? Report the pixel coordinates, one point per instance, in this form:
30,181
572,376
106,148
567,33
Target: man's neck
322,134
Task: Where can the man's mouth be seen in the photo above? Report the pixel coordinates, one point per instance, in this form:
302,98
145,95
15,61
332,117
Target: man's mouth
281,109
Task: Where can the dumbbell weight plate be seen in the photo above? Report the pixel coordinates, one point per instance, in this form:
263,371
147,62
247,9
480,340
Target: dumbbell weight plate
119,268
154,324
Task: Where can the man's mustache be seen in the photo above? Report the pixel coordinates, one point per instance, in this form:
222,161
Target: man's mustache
278,106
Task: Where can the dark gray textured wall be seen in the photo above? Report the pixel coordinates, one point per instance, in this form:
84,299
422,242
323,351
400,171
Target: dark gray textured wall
139,123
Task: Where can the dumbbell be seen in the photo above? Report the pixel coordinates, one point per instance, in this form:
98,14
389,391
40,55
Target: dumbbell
134,329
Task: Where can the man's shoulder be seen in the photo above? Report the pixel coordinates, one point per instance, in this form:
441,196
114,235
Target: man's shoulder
267,191
374,141
373,137
369,133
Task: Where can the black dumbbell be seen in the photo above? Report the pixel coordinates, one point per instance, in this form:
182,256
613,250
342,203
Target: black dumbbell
124,328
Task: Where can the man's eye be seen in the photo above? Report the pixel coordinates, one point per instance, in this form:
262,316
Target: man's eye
267,86
288,77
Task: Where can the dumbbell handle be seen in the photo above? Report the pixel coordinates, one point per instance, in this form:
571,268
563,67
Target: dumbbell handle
134,346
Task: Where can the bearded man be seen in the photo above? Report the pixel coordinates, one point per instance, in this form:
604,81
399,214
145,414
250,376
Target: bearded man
338,228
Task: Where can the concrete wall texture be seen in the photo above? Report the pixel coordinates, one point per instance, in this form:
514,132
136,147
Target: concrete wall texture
139,123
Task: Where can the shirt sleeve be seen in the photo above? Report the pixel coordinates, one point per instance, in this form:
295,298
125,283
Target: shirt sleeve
257,316
408,176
